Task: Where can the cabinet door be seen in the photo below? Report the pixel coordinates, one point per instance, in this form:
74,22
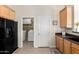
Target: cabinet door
67,47
61,44
69,17
75,48
4,12
57,42
66,17
63,18
75,51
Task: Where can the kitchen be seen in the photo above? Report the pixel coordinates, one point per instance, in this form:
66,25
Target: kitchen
67,41
53,24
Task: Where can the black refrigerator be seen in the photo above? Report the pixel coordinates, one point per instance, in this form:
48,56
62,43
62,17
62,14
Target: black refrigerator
8,36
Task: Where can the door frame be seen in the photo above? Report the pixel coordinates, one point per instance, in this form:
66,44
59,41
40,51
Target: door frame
20,34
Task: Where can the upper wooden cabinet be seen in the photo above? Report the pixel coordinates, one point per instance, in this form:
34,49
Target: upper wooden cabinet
12,15
6,12
66,17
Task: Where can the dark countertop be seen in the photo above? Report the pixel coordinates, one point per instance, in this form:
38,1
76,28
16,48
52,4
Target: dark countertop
72,38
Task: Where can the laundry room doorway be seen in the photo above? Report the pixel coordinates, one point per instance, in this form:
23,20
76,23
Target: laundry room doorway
28,31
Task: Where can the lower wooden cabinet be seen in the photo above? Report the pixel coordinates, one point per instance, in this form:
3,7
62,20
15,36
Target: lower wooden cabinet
75,48
75,51
59,43
67,47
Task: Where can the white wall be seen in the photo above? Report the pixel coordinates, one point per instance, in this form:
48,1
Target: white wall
56,28
76,17
37,10
76,13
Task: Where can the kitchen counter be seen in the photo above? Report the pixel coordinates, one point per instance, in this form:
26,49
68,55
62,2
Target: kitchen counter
70,37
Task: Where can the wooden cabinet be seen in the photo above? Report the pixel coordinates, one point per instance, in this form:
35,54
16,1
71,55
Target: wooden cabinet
59,43
66,17
12,15
6,12
63,17
67,47
75,48
75,51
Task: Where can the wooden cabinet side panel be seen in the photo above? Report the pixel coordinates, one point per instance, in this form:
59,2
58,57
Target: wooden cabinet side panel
63,17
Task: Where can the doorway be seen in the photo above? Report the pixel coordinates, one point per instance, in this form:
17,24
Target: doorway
28,31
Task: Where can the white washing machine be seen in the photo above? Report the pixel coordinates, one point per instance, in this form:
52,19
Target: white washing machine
24,35
31,35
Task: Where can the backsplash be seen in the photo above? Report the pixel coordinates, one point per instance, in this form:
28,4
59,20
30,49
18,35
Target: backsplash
68,30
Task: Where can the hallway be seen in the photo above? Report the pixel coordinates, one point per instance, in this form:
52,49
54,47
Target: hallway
28,49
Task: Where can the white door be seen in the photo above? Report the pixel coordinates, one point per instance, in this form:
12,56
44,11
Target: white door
44,34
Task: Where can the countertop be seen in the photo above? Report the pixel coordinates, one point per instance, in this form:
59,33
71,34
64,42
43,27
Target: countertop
70,37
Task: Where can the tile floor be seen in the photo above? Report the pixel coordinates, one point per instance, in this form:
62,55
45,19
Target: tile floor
29,49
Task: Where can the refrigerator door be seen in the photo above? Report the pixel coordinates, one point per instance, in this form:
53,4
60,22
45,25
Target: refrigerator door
2,35
8,36
11,36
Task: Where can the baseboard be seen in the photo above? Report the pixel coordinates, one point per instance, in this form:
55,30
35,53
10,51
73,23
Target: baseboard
35,46
20,46
53,46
